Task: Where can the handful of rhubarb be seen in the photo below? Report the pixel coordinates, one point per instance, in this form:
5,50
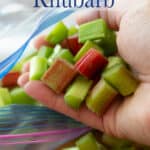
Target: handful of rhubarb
81,64
71,68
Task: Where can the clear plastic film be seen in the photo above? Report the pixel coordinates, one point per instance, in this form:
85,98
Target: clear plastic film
21,35
36,24
25,124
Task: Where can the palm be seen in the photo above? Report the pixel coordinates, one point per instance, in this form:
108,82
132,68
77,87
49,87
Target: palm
127,118
131,117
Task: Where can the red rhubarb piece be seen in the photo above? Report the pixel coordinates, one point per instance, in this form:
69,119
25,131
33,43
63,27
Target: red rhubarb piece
91,63
59,75
72,44
64,44
10,80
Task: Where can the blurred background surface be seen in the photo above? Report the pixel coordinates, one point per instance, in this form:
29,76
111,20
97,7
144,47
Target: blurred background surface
17,20
13,12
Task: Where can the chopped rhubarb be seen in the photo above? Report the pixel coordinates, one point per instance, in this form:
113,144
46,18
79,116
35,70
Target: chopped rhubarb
91,63
19,96
88,45
64,44
74,97
94,30
109,44
10,80
116,143
59,75
18,67
72,31
45,51
67,55
100,97
114,60
38,66
5,98
88,142
53,56
72,44
58,34
71,148
60,53
121,79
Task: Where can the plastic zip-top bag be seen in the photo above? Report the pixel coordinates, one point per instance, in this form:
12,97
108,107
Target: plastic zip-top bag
45,56
11,56
24,125
28,126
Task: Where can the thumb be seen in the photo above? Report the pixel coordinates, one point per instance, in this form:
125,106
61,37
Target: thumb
112,16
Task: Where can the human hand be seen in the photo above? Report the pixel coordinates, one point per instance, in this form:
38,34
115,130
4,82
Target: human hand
128,118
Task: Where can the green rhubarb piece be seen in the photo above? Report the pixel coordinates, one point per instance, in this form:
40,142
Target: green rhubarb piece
61,53
58,34
67,55
98,42
87,46
93,30
71,148
18,96
5,98
72,31
100,97
88,142
19,65
130,148
45,51
125,148
28,57
101,147
109,44
121,79
145,148
114,60
38,66
54,55
77,92
114,142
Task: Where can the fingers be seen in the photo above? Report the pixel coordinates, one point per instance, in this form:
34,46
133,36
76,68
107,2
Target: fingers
110,122
85,16
106,123
40,41
23,79
111,16
55,102
26,67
